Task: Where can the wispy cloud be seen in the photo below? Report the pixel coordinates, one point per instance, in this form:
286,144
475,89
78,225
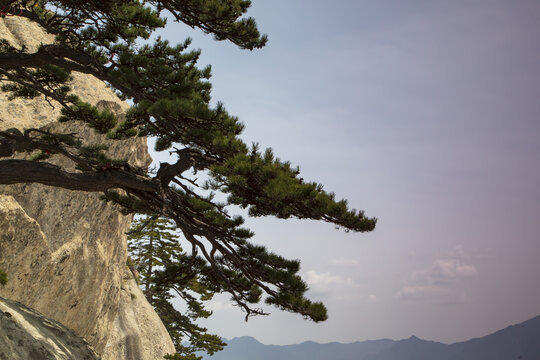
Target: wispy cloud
325,283
441,281
218,305
447,270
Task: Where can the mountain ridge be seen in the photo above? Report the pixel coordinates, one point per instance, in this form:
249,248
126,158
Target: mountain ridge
519,341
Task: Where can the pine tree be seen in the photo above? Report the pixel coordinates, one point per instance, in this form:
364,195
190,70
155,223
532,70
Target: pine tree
171,102
165,272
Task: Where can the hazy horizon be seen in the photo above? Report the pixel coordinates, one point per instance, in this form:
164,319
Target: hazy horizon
386,338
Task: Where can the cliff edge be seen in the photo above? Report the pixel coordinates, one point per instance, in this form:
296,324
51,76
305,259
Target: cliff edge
65,251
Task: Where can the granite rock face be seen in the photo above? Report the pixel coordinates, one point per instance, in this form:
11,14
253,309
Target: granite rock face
27,335
135,321
65,251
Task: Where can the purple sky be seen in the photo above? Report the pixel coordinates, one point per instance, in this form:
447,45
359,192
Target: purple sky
423,114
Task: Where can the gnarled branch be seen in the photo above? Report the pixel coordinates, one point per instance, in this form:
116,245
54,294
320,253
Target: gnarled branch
25,171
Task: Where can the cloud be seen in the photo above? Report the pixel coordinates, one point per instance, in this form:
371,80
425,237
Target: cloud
444,271
218,305
341,261
449,269
441,282
324,283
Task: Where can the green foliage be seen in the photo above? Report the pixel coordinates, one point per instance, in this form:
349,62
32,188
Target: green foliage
39,155
166,271
221,18
102,121
182,357
51,77
124,130
16,90
3,278
268,186
6,47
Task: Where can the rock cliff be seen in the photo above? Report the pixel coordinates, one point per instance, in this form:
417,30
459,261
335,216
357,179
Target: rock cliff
27,335
65,251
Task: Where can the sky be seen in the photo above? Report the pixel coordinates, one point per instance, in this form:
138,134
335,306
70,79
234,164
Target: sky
423,114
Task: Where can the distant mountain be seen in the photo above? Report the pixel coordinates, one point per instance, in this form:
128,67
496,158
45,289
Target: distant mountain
413,348
250,349
520,341
516,342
